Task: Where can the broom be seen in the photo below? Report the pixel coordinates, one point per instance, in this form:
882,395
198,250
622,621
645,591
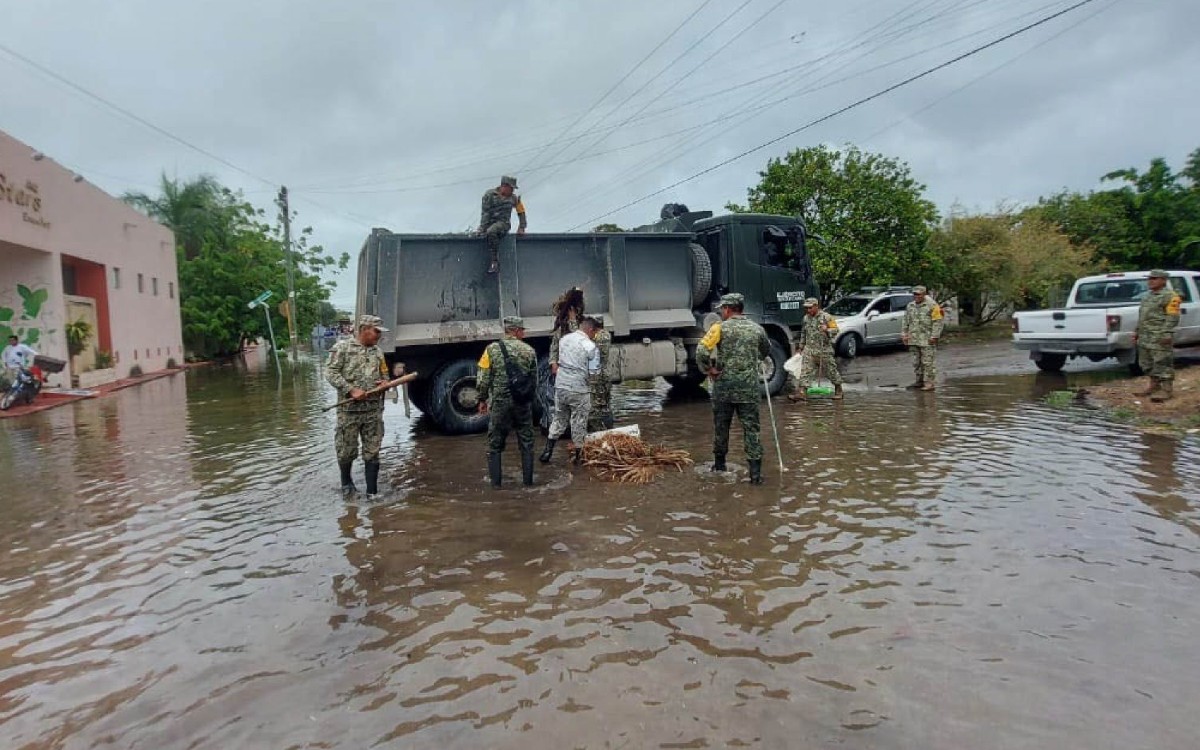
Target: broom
818,389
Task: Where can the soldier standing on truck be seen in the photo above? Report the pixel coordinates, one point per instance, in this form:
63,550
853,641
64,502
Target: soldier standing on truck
356,366
501,361
731,353
923,322
1157,318
579,360
601,417
817,334
495,217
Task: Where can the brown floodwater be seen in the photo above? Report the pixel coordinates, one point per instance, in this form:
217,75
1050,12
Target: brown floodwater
970,569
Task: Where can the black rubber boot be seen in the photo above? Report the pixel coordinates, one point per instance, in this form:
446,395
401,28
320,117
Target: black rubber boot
719,462
494,468
608,422
577,457
372,471
755,472
495,264
549,452
527,468
347,480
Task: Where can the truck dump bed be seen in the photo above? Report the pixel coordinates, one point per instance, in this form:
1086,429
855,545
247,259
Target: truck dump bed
435,289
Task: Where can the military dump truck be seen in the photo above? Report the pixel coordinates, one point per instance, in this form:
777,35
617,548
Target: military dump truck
655,287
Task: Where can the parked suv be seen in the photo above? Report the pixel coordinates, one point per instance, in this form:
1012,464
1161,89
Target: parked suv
870,317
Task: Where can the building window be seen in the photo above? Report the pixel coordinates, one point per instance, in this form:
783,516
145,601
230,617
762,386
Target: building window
116,278
171,289
154,286
141,284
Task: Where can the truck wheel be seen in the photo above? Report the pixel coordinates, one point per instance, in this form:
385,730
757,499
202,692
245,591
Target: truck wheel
776,375
454,400
1051,362
701,274
848,345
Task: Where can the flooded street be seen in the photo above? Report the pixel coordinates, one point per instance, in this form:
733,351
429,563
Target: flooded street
965,569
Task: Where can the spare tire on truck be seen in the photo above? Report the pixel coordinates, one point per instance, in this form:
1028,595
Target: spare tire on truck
702,275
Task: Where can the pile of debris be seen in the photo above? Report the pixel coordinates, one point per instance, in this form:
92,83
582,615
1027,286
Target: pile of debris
619,457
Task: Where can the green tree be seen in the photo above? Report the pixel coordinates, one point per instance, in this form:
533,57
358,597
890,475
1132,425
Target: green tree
607,228
871,216
227,255
1147,219
1005,261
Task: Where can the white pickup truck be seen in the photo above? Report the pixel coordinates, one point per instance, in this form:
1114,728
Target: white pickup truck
1100,319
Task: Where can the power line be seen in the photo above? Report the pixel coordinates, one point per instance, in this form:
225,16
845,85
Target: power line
842,110
615,86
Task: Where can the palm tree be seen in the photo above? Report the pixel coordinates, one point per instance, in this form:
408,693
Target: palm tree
195,210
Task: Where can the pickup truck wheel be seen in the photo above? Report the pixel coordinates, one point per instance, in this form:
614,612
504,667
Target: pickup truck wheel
776,375
454,400
848,345
1051,362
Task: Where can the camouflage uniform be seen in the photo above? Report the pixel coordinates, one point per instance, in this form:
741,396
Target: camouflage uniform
352,365
922,323
817,333
1157,318
572,327
492,383
495,215
736,347
600,417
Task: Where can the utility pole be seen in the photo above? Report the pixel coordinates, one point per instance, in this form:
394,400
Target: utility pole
293,339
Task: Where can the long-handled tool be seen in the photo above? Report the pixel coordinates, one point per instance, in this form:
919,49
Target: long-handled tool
818,389
377,389
774,427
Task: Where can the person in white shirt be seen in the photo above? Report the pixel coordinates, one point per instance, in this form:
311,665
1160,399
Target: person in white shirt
578,360
15,356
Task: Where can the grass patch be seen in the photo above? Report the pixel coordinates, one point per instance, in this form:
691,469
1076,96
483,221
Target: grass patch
1060,399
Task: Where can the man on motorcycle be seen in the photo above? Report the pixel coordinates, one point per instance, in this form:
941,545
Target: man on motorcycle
15,357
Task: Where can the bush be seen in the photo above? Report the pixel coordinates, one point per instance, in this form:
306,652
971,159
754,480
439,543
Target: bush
104,360
135,371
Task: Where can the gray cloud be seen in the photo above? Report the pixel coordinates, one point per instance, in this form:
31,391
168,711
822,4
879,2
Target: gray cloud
401,114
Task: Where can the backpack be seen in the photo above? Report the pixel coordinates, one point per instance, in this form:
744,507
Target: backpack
521,385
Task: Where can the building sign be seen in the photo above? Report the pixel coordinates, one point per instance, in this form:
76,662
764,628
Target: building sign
24,198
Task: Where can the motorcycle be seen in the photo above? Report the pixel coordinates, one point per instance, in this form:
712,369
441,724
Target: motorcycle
25,387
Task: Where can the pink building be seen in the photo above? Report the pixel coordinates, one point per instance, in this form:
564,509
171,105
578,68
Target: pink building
69,251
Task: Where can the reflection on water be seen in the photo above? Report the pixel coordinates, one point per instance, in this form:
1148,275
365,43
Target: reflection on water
962,570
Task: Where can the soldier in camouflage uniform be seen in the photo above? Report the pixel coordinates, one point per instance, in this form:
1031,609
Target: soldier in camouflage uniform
355,367
495,217
920,333
1157,318
511,354
732,353
817,334
600,417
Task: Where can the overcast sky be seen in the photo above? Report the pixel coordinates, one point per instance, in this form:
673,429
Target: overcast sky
398,114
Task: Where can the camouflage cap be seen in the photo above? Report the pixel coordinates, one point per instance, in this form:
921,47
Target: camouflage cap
918,289
509,180
731,299
371,321
514,321
1158,273
811,302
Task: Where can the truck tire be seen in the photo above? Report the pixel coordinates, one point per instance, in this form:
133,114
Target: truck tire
776,375
1051,362
452,399
701,274
848,345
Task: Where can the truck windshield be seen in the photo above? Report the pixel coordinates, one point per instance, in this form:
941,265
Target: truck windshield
1110,293
849,306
